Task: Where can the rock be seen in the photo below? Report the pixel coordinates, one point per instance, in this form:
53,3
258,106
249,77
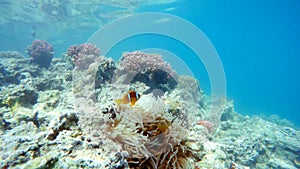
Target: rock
15,67
24,114
255,142
18,95
64,122
19,145
49,98
278,163
43,162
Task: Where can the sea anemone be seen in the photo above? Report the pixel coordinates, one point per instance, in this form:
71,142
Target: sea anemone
153,137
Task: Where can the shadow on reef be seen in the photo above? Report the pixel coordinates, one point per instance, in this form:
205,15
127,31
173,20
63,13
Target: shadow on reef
14,68
105,72
156,80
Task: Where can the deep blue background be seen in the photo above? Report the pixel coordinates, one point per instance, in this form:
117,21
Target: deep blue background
258,43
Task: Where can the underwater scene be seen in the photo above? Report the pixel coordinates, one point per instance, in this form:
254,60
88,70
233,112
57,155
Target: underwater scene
149,84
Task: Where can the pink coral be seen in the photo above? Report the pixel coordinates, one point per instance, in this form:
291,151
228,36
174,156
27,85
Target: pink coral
89,49
73,50
41,52
149,69
139,62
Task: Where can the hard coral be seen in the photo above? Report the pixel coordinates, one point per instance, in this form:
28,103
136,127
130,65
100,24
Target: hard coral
73,50
41,53
150,69
137,62
89,49
83,55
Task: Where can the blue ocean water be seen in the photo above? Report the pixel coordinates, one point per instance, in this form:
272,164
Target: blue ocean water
257,41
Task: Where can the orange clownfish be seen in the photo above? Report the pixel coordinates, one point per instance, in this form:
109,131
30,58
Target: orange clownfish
130,97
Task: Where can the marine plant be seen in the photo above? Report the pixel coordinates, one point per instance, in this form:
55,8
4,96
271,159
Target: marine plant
41,53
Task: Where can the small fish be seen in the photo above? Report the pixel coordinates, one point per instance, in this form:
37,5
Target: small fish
130,97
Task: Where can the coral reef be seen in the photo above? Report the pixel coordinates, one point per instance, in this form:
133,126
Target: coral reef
77,51
66,117
21,94
15,68
297,161
259,147
41,53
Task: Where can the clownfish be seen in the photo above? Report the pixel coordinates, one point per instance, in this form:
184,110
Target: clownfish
130,97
